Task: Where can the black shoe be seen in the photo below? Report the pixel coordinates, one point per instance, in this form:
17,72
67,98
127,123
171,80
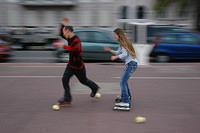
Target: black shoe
119,99
64,100
93,93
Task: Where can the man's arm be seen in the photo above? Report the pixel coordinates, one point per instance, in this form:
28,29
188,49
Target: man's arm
61,31
64,22
76,46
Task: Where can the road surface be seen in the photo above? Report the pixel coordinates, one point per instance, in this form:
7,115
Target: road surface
167,95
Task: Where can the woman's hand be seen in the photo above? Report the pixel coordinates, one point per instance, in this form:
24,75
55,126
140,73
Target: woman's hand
114,58
109,50
106,48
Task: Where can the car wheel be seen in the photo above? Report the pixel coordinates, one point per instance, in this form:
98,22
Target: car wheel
162,58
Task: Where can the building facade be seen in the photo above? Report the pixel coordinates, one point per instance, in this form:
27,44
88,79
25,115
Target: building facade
85,13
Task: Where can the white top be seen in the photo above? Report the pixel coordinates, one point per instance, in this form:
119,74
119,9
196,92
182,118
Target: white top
124,55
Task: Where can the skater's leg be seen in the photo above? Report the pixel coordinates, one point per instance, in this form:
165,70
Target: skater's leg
65,81
129,91
119,98
134,66
125,99
129,69
124,88
81,75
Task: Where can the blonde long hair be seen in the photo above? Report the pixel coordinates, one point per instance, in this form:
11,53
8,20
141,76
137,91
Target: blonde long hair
124,42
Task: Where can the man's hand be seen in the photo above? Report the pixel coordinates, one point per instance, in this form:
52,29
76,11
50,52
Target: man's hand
65,21
60,46
65,33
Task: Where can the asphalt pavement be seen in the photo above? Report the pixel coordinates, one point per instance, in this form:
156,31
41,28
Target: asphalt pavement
166,94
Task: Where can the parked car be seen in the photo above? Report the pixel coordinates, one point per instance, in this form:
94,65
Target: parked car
153,30
176,46
33,37
5,50
93,42
4,33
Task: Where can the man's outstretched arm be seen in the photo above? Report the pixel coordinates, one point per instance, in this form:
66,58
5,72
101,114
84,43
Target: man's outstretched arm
64,22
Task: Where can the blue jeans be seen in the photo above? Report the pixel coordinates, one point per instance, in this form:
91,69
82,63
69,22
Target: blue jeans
125,91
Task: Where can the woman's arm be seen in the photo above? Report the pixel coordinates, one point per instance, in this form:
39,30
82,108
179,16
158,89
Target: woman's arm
114,58
124,54
109,50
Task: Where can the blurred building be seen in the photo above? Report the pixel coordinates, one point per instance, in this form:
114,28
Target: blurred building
86,13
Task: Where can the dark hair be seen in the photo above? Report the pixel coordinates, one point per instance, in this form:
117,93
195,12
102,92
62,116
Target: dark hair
70,28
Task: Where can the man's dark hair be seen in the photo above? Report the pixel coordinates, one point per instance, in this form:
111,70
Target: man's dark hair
70,28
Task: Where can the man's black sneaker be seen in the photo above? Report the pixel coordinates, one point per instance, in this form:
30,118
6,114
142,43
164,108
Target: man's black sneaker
93,93
64,101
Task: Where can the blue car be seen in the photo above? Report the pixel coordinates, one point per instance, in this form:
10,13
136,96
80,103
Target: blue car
176,46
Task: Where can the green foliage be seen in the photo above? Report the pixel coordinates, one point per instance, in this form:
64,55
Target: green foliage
161,5
183,3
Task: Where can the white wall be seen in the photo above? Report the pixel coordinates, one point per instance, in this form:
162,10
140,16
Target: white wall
32,18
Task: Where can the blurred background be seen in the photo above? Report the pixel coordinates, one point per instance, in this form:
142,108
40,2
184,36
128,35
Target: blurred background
161,30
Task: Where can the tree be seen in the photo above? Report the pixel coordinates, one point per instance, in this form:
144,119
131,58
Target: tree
161,5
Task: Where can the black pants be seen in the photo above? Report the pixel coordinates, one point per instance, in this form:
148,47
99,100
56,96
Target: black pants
81,75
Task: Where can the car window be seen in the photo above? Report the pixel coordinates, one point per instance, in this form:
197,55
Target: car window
155,30
95,37
169,39
179,30
152,31
100,37
85,36
190,39
112,39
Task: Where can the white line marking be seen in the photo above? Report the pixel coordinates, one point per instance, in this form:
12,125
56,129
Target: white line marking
32,63
34,66
33,58
159,78
30,76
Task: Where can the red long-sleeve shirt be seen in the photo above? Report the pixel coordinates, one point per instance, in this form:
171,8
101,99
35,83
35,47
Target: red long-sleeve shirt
75,50
75,53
